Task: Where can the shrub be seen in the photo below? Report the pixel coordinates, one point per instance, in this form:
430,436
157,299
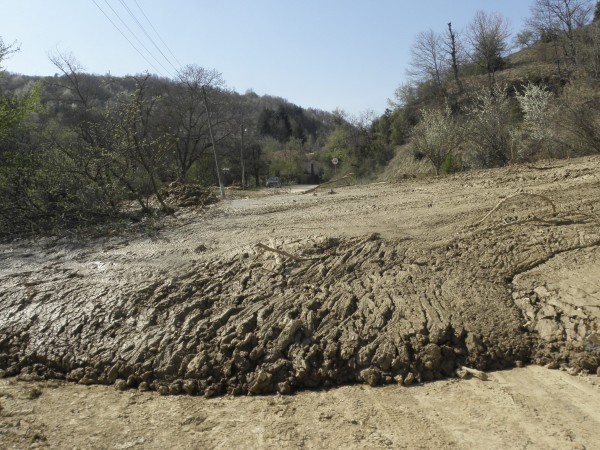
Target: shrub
489,127
437,136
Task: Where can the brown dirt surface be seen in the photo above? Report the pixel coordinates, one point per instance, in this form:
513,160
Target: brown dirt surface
532,407
377,284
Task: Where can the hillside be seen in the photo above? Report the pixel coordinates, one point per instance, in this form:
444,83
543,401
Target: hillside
76,147
471,102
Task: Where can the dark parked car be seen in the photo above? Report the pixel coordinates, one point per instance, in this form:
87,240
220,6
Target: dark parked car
273,182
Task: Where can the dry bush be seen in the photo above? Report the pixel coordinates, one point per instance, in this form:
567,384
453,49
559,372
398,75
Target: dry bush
579,117
404,165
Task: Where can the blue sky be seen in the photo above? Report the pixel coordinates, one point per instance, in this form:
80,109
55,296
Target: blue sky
326,54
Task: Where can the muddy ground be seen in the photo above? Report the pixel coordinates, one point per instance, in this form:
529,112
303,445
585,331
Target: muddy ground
388,283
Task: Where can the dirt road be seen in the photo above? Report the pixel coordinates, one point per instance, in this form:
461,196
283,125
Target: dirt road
387,283
533,408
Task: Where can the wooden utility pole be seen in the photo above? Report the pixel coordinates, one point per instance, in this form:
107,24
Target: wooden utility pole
212,140
242,159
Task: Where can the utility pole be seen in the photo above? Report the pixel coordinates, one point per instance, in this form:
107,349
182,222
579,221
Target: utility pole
242,159
212,140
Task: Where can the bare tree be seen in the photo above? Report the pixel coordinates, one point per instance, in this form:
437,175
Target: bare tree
116,144
188,114
90,125
560,18
7,49
73,72
524,39
125,146
79,93
428,62
488,34
134,139
451,44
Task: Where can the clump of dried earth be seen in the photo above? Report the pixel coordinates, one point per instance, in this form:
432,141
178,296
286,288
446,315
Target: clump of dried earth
377,283
187,195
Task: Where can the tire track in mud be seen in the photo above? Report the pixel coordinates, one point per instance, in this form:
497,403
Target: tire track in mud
350,310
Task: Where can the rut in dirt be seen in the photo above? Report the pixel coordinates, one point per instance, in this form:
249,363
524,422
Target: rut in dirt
314,313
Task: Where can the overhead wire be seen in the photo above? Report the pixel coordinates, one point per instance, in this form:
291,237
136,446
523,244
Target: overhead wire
136,38
133,16
126,38
157,34
129,40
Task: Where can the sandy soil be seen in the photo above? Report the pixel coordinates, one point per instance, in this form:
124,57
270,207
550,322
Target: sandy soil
533,408
388,283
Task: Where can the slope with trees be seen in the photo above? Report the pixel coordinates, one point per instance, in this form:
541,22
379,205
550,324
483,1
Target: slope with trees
79,148
473,104
76,148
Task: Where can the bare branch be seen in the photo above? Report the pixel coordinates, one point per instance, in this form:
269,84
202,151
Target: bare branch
510,197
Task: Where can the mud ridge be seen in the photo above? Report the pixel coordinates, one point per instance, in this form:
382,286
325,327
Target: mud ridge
345,310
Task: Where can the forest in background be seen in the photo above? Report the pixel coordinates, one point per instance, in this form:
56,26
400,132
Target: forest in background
79,148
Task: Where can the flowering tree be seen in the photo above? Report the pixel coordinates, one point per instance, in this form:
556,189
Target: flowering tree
436,136
490,127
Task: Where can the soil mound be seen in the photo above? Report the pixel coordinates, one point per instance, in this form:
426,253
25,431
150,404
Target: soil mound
312,313
187,195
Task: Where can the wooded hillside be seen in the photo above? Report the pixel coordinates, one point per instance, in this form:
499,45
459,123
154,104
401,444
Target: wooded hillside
473,101
76,148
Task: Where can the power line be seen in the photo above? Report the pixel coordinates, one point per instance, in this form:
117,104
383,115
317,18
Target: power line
126,38
133,16
135,36
157,34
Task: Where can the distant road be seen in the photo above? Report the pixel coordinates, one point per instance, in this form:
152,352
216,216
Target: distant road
300,188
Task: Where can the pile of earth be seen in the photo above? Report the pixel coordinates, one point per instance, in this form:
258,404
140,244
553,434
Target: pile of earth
187,195
314,312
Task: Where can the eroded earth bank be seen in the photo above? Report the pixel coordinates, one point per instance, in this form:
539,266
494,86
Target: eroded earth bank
383,283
